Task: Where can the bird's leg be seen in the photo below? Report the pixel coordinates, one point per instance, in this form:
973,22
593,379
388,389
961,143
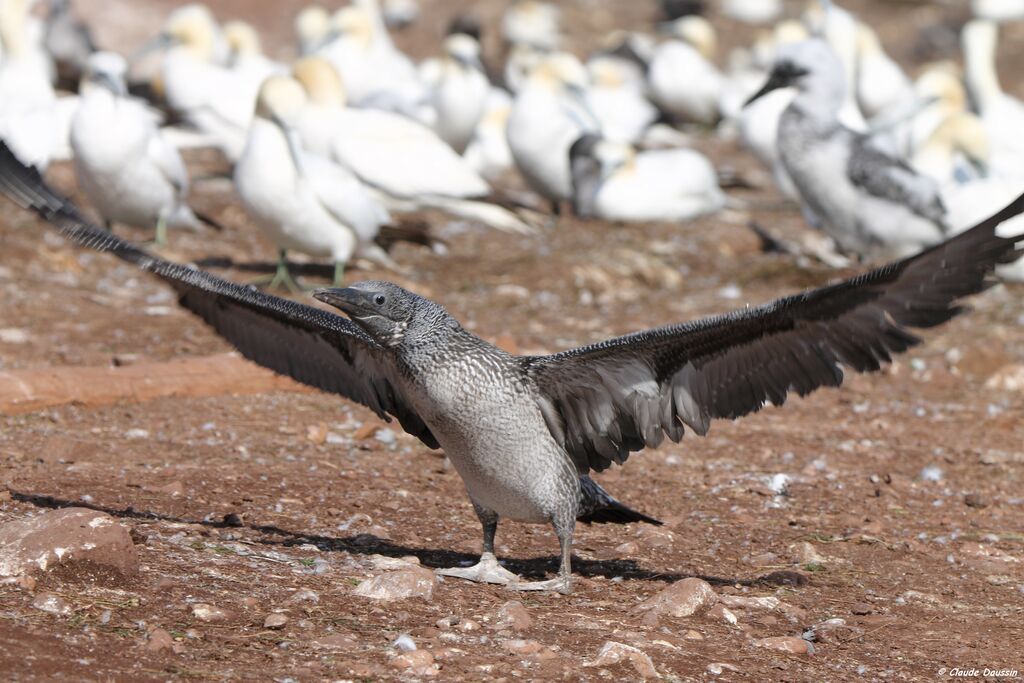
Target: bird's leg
281,279
339,273
563,582
108,226
487,570
161,232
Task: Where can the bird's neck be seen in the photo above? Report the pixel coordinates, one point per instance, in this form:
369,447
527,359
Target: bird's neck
982,79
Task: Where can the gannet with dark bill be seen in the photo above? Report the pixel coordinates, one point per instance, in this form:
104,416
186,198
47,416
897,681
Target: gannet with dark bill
524,432
864,199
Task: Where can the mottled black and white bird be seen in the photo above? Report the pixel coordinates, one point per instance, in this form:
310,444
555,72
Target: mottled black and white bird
867,201
524,432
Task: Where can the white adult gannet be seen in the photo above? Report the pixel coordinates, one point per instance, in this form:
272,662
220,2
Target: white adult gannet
839,28
957,151
998,10
400,14
459,91
302,201
312,27
549,113
617,98
614,182
30,121
375,72
752,11
488,153
883,89
1002,114
404,160
865,200
206,94
683,80
246,59
128,171
533,23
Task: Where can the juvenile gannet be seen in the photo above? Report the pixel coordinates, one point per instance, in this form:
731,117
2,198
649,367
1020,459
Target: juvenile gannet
549,113
130,173
683,80
861,197
403,160
302,201
614,182
524,432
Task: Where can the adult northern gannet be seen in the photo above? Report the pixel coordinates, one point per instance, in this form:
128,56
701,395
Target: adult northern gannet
300,200
406,162
125,166
612,181
524,432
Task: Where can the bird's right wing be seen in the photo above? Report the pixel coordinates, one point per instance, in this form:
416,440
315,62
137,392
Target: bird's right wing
603,401
312,346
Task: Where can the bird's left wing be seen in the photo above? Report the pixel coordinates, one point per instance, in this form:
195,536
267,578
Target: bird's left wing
308,344
602,402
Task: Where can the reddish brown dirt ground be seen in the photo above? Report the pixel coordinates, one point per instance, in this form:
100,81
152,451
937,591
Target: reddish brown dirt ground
923,579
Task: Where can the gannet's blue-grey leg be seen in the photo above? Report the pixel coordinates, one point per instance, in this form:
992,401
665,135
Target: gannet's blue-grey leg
161,231
487,570
564,525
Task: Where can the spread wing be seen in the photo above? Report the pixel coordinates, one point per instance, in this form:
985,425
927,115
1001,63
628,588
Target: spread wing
889,178
306,343
602,402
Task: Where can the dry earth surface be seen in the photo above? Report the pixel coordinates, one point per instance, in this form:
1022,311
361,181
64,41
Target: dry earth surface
868,533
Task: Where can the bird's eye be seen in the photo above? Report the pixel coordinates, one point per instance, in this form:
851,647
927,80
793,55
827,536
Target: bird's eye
379,299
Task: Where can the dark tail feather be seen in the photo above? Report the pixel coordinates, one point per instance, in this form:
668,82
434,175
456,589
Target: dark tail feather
414,232
206,219
731,179
617,513
597,505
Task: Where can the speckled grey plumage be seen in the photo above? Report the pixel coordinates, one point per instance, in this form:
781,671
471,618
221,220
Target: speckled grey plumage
524,432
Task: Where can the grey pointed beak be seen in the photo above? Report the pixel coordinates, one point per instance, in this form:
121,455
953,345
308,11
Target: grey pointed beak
352,302
773,83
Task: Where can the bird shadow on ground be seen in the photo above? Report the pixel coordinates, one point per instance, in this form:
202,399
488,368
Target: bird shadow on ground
319,270
368,544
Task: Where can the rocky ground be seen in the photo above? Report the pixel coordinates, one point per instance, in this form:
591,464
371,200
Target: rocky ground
244,529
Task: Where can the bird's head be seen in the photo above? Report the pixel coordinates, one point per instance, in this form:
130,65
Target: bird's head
352,23
242,39
390,314
193,27
105,70
281,100
698,32
321,81
312,25
463,50
796,65
592,160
